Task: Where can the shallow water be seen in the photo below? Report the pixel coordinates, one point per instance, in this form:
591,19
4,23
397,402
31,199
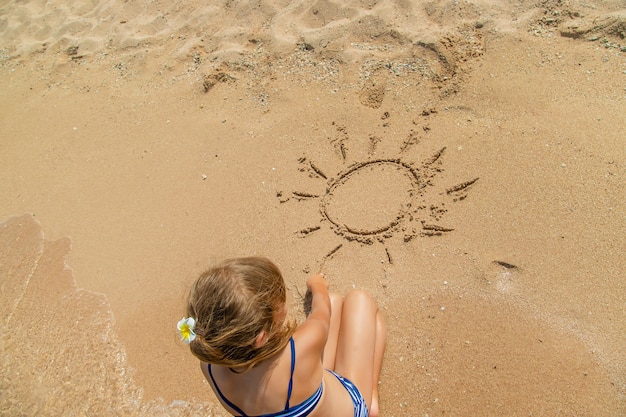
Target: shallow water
59,354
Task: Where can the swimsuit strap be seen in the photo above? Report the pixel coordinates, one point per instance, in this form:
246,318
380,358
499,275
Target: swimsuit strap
293,366
231,405
237,409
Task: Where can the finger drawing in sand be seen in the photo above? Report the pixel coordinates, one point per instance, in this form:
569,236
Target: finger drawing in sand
356,212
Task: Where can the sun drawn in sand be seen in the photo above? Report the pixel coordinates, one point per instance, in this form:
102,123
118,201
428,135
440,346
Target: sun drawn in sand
373,201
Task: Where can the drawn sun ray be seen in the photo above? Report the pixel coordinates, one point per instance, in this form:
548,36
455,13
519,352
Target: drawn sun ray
376,200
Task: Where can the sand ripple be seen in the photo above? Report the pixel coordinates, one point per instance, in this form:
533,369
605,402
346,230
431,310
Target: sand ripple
434,39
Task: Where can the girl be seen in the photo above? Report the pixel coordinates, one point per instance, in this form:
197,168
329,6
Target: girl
258,363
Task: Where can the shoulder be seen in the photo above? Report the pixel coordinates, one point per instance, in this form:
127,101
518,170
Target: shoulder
310,336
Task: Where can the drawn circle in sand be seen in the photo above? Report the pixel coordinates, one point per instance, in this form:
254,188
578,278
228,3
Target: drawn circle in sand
370,198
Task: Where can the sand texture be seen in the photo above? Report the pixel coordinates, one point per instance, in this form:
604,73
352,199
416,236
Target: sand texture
462,160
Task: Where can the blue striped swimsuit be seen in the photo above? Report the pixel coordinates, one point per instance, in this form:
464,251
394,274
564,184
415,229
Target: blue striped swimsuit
306,407
360,407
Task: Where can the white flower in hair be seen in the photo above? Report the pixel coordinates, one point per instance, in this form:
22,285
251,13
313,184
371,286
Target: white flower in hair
186,329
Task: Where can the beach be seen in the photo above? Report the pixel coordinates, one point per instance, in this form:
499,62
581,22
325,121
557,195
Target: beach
464,161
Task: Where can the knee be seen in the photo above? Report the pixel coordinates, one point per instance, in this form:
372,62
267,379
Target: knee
361,298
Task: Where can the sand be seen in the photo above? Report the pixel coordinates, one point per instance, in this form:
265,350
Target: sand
463,160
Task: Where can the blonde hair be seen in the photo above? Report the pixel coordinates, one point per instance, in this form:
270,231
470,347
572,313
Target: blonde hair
233,303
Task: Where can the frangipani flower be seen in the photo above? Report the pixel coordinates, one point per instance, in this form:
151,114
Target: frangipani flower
185,328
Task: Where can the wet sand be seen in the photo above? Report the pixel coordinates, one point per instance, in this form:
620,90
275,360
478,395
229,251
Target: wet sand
463,161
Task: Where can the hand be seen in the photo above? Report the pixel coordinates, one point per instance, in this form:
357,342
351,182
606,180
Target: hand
317,279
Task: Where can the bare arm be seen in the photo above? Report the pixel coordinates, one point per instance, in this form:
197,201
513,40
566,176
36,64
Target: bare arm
314,331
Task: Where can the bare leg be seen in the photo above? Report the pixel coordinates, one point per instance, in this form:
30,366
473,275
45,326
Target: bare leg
359,350
379,350
330,349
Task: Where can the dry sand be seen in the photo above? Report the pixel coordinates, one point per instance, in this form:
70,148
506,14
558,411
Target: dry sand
463,160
